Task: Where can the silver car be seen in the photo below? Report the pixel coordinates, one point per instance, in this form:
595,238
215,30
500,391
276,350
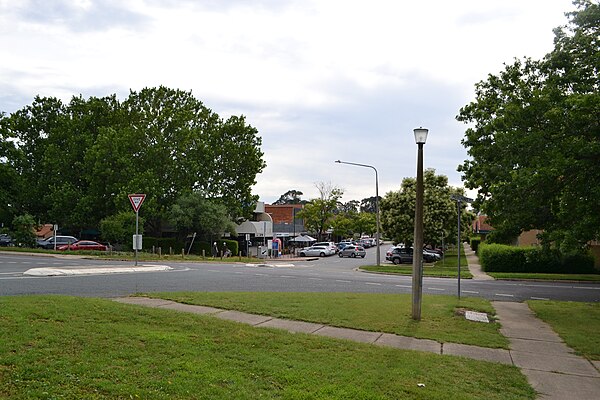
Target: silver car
352,251
316,251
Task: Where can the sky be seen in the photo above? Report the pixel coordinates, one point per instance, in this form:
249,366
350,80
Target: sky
320,80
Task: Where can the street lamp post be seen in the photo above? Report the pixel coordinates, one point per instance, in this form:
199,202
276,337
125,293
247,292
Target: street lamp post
376,202
417,273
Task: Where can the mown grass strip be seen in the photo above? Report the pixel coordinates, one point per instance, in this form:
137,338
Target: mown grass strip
578,324
389,313
445,268
546,277
75,348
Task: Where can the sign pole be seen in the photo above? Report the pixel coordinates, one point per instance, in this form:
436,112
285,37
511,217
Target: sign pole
135,242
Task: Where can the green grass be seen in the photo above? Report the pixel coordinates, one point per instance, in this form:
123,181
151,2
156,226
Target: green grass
372,312
546,277
77,348
578,324
446,268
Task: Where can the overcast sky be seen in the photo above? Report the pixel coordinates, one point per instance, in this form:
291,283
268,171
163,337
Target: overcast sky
321,80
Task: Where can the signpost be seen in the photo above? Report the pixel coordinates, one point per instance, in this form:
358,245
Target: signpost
136,201
459,199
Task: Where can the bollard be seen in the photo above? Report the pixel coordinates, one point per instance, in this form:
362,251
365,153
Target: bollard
159,252
182,253
203,253
170,251
240,255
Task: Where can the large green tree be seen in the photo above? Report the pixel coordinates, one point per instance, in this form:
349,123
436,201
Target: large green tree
534,139
74,164
440,213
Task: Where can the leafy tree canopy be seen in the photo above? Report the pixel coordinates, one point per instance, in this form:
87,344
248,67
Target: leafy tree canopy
318,213
440,214
291,197
534,139
75,163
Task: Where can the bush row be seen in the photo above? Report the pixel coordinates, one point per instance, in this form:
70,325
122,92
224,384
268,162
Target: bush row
503,258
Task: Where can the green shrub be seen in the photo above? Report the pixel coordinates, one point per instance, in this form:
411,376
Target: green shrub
164,243
504,258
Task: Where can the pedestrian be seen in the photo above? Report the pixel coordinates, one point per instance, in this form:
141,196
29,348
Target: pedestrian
225,251
215,250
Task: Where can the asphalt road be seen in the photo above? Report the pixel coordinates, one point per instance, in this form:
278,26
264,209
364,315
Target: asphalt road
331,274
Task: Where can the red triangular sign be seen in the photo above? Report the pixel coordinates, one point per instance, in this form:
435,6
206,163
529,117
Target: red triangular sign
136,201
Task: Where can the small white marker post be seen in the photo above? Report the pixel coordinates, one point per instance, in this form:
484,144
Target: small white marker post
136,201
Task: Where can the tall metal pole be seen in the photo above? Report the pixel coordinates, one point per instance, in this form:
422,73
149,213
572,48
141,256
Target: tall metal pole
376,203
417,276
458,203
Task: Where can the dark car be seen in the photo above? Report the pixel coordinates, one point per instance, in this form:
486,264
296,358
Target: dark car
400,255
83,245
6,240
48,244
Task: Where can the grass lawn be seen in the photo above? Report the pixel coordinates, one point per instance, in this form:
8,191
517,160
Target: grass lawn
78,348
372,312
548,277
578,324
446,268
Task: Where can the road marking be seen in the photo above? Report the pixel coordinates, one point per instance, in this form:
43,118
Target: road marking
586,288
408,286
539,298
505,295
315,279
432,288
260,274
8,273
212,270
239,273
340,280
286,276
372,283
469,291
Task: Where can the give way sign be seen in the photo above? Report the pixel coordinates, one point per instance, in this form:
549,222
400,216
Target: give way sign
136,201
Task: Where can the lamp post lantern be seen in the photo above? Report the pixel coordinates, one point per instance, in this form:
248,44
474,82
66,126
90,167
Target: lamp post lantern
417,272
376,203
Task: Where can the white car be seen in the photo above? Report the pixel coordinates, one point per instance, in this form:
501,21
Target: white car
316,251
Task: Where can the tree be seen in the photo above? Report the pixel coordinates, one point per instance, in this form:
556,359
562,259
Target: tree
290,197
120,228
535,140
349,207
368,204
439,210
319,213
23,230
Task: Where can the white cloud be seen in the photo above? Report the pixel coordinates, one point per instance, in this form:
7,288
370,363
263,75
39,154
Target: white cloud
321,80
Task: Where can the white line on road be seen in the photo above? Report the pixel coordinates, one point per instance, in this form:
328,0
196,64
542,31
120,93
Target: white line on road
372,283
287,276
260,275
504,295
212,270
539,298
408,286
433,288
315,279
586,288
469,291
343,281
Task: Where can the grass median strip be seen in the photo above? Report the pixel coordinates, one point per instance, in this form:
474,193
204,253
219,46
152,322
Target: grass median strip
389,313
65,347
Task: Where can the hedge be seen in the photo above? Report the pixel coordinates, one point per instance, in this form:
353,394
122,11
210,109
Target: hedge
177,245
504,258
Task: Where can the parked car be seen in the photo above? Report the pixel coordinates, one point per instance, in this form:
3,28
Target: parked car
399,255
5,240
330,245
316,251
353,250
60,241
83,245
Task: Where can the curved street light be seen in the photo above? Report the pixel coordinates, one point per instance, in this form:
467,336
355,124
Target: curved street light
376,202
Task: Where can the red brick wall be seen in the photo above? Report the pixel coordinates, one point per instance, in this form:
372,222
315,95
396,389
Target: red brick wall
282,214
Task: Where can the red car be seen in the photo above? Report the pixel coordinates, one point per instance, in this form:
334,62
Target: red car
83,245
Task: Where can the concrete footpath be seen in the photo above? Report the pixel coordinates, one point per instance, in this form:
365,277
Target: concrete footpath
551,367
474,266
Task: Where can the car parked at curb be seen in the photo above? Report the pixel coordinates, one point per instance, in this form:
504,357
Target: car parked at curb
315,251
399,255
5,240
83,245
330,245
48,244
353,251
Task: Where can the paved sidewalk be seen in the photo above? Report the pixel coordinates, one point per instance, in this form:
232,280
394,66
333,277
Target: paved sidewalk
474,266
550,366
